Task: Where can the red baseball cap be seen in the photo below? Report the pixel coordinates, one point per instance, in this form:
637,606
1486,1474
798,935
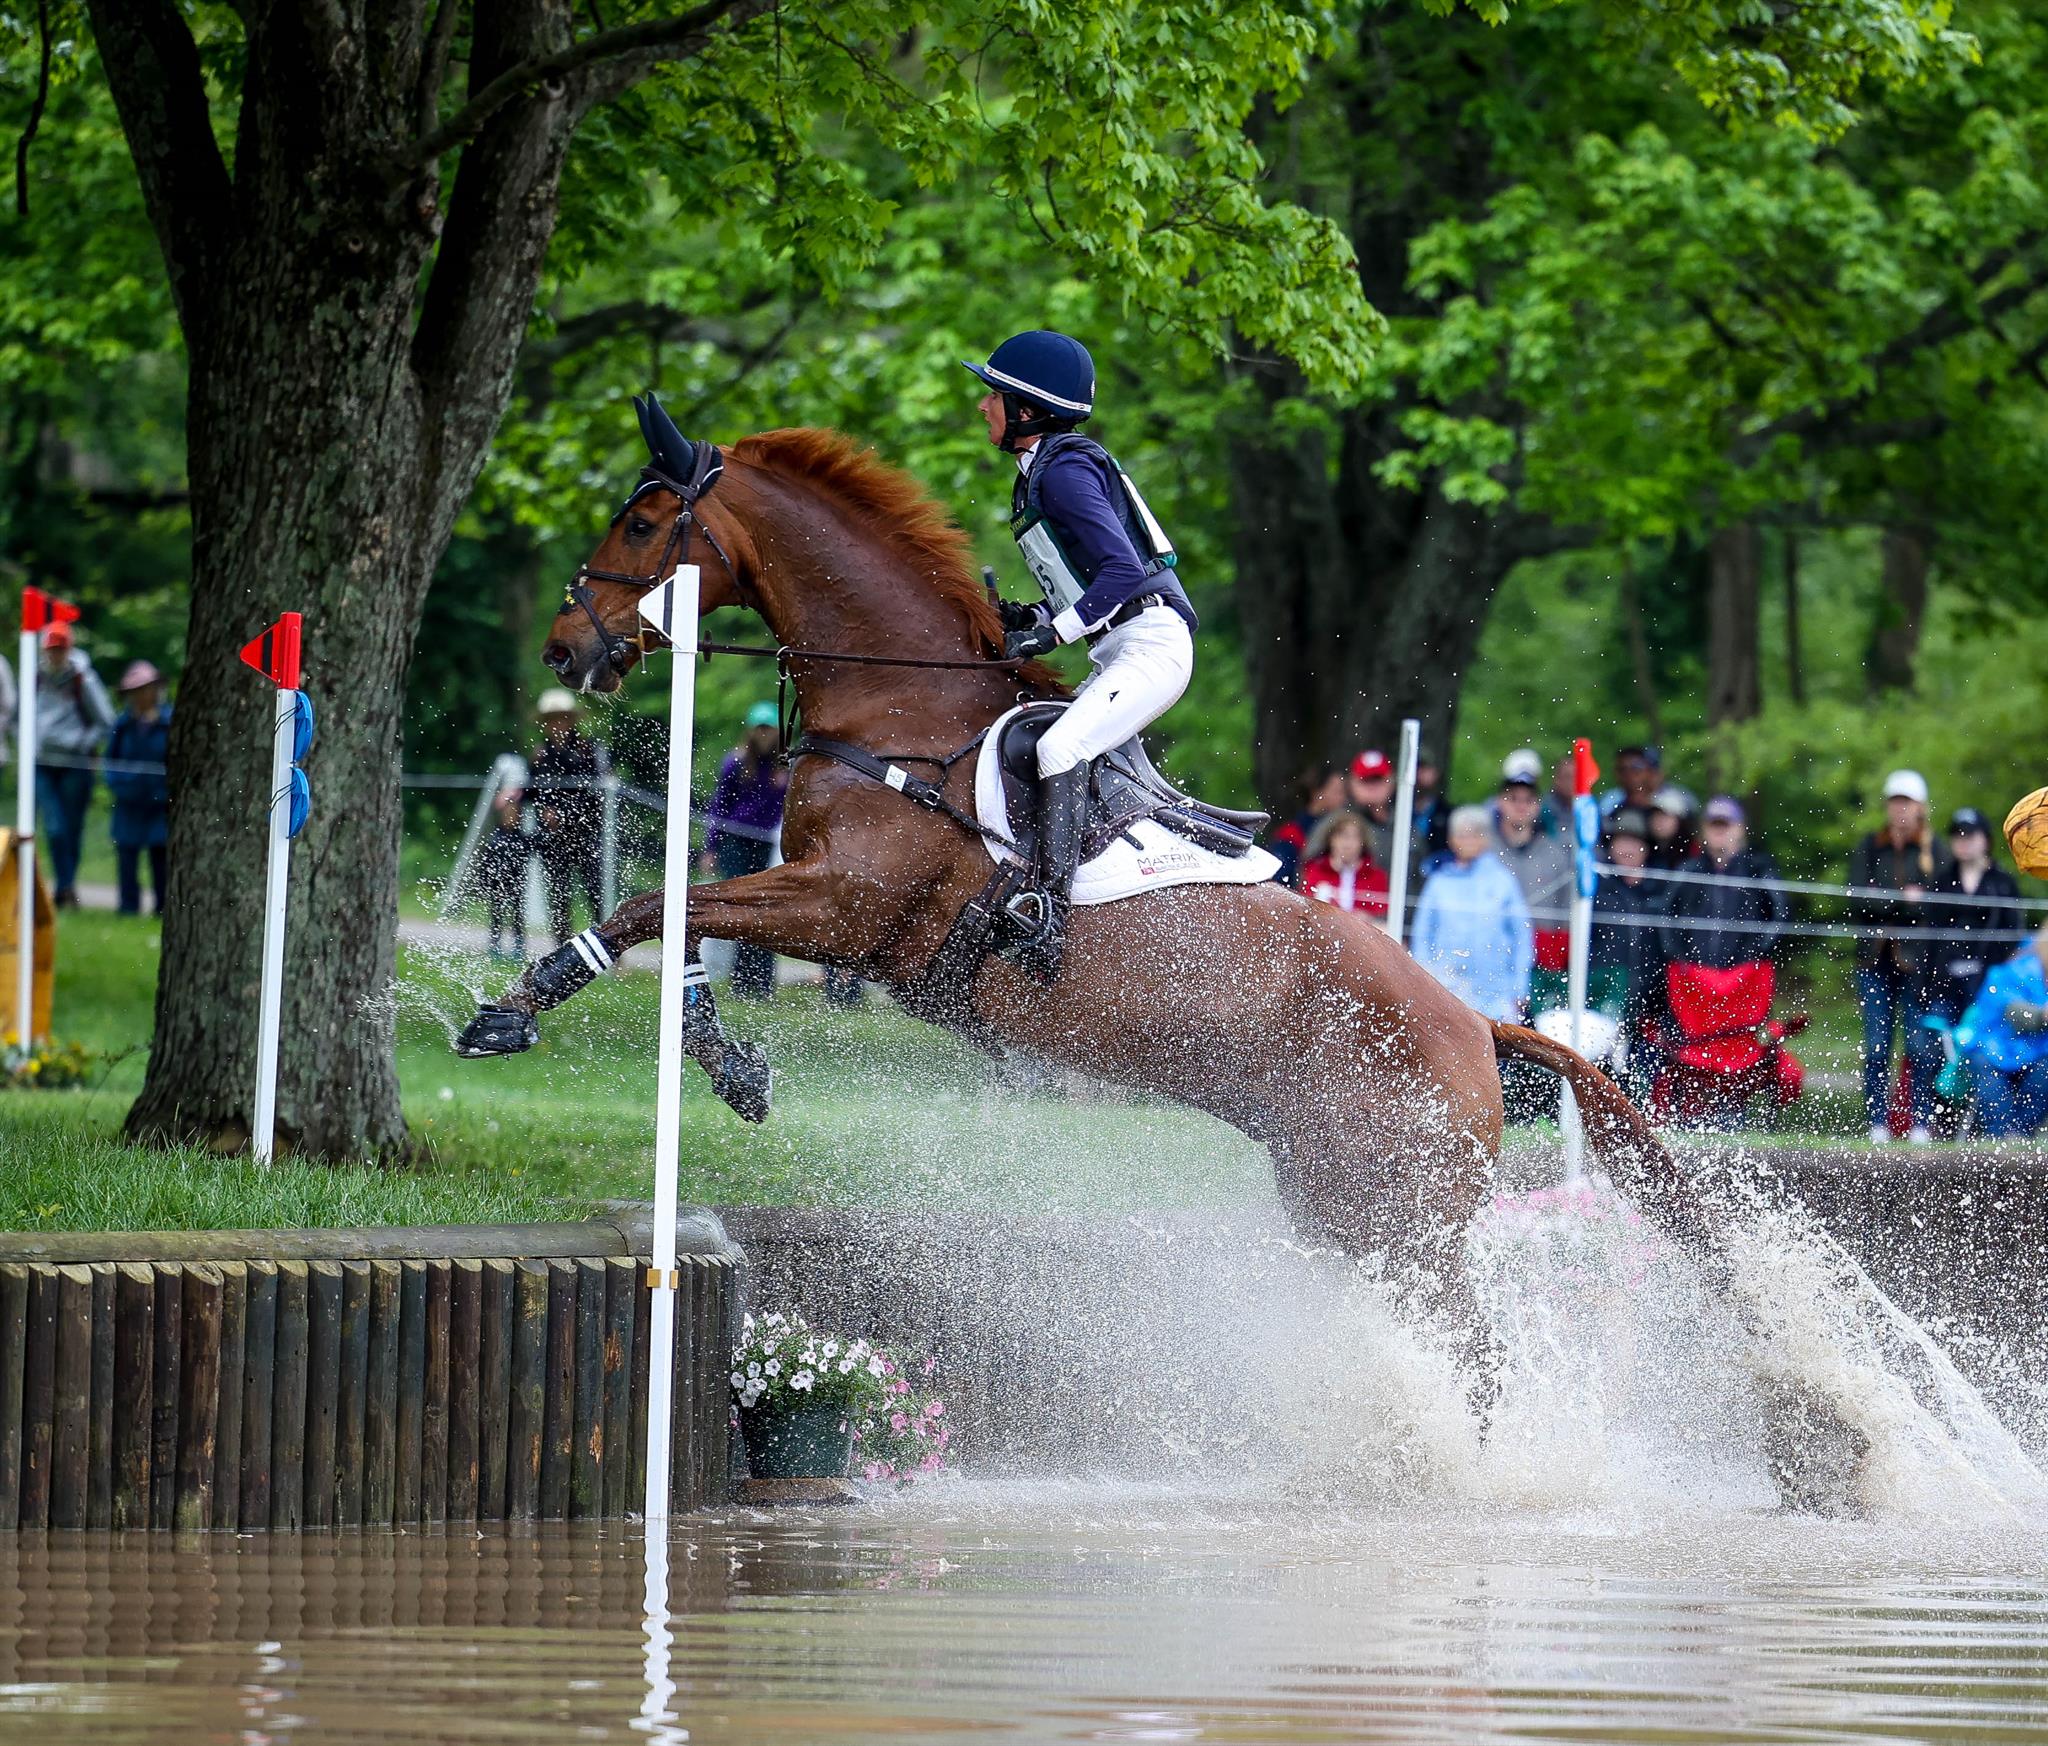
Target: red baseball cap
1368,765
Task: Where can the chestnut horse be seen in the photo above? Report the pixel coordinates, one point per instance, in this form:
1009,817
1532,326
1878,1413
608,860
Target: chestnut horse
1376,1091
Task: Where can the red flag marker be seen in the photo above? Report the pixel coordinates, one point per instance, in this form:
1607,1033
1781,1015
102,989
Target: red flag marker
275,654
1584,771
40,610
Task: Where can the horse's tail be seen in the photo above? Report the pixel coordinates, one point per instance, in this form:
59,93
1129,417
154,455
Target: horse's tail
1623,1140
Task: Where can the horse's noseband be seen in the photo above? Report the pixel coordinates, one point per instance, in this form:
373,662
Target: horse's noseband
619,651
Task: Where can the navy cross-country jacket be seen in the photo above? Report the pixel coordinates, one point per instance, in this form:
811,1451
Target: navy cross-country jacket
1084,500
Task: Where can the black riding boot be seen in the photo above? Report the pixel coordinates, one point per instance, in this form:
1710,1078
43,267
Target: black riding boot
1062,810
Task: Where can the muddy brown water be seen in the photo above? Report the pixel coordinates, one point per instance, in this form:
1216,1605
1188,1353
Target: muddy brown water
1041,1611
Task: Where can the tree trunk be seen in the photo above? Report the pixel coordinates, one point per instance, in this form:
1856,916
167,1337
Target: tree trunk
1890,660
337,417
1795,653
1639,651
309,493
1361,604
1734,665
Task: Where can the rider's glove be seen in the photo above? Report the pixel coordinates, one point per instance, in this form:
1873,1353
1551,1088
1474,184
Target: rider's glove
1020,615
1022,644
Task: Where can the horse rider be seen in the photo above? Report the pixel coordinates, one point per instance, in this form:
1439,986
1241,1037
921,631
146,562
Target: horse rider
1106,574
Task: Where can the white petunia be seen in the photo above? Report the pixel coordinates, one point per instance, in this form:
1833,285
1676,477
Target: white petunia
773,1367
845,1366
738,1380
754,1369
831,1348
802,1380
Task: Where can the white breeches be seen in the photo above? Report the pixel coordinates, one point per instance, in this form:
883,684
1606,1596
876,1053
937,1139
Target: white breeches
1141,668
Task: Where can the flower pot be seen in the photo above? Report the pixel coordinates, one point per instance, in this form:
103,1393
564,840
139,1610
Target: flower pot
797,1439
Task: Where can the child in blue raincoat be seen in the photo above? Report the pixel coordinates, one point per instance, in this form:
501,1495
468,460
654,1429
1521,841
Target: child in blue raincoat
2004,1037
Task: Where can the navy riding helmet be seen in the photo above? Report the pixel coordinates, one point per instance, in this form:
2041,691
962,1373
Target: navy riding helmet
1043,369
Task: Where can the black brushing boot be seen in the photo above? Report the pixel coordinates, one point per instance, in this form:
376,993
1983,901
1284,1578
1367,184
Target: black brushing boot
1062,810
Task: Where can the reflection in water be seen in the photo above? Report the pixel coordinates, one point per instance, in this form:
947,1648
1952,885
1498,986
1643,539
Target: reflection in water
1049,1612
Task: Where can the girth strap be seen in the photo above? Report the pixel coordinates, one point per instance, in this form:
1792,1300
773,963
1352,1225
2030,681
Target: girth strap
893,774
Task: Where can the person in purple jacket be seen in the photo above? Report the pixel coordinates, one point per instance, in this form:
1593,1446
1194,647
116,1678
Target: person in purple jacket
1106,574
742,823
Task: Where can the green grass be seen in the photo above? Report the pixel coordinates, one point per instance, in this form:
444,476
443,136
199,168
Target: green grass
871,1108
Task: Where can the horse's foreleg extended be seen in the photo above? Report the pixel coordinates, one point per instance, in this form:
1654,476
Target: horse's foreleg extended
783,908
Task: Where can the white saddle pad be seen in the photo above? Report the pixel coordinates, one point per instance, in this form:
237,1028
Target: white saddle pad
1156,860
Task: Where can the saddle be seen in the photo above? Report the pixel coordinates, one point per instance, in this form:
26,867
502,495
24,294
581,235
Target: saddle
1124,787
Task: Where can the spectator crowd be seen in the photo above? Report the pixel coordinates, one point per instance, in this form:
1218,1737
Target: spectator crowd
1690,918
81,735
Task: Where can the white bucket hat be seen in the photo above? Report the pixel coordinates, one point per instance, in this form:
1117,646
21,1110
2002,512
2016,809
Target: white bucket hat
556,700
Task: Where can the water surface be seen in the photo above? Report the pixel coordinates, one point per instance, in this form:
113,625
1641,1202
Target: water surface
1042,1611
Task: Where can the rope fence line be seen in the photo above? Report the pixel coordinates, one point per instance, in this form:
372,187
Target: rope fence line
1540,912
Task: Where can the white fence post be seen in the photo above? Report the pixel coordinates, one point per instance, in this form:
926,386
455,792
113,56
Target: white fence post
1404,826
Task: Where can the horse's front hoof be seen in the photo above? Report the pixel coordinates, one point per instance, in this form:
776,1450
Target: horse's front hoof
745,1081
497,1030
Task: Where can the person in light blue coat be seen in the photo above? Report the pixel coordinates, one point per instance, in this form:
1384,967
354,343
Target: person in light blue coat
1472,928
2004,1037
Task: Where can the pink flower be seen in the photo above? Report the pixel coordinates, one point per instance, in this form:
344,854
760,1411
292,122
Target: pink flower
933,1408
898,1423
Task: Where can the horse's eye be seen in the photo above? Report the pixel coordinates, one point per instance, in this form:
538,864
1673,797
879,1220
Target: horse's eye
638,527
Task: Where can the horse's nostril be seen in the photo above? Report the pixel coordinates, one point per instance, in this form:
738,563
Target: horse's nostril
556,657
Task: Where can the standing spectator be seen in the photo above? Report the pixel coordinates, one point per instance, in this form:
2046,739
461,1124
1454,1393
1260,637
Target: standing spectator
136,754
1341,869
502,863
1674,838
1717,917
72,719
1543,868
568,794
1978,890
1893,965
1322,792
1625,976
1372,799
1471,926
1639,773
2004,1036
741,822
1429,843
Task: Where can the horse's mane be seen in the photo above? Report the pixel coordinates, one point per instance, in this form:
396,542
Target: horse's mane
895,505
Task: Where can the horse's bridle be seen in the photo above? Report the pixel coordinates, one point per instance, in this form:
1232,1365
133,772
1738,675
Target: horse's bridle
619,651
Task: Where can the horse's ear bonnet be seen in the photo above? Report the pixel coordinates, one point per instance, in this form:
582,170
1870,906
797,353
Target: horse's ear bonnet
672,454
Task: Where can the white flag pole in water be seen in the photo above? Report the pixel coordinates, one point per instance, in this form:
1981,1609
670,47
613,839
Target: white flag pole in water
1586,843
671,610
1404,825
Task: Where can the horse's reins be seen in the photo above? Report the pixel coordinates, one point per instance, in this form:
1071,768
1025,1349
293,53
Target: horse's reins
619,651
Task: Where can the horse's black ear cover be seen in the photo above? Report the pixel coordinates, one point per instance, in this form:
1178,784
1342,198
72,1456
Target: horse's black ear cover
672,452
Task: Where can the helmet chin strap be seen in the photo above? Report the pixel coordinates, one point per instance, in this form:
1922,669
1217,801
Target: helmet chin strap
1018,426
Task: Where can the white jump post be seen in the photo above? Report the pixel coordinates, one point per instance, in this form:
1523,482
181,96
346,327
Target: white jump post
275,654
671,610
38,612
1586,843
1404,825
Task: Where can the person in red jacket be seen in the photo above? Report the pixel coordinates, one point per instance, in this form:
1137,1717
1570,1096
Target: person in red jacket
1341,871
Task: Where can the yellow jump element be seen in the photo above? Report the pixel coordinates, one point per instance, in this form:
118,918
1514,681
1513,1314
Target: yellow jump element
45,943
